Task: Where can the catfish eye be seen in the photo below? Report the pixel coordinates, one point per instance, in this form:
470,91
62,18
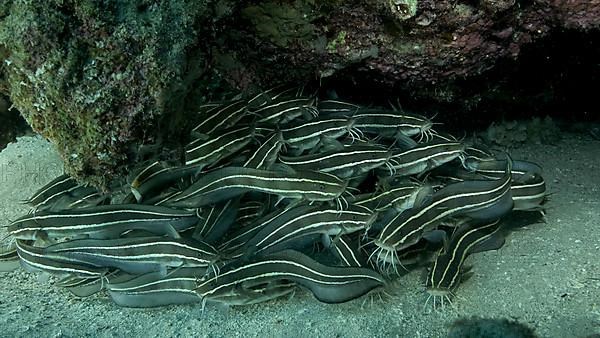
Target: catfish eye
322,186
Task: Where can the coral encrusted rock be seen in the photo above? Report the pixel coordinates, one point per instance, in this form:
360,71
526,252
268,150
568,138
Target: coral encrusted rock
96,77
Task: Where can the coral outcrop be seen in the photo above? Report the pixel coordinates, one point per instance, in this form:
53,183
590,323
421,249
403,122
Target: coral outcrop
98,77
95,77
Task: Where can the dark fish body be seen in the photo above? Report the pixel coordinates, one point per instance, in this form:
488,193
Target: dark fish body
390,123
307,220
445,272
52,191
529,195
106,221
39,259
209,151
266,154
158,177
157,289
285,110
217,118
137,254
488,199
347,162
328,284
425,157
229,182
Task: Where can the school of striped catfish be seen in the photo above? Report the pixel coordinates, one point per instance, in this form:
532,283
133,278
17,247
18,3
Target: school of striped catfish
277,192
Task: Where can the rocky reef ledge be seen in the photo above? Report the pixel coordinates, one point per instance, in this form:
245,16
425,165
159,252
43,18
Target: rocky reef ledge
99,79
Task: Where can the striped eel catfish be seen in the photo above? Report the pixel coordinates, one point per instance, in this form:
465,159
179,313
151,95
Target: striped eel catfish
444,275
347,162
307,135
529,195
285,110
209,151
266,154
328,284
38,259
52,191
271,95
82,197
401,196
158,176
137,255
249,211
256,293
391,123
85,287
105,221
305,220
64,193
528,187
157,289
346,249
336,107
240,238
522,171
226,183
215,118
216,220
476,199
425,157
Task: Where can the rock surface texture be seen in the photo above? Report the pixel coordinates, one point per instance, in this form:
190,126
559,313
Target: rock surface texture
98,77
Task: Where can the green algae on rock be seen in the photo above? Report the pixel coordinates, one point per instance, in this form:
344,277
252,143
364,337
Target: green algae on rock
93,77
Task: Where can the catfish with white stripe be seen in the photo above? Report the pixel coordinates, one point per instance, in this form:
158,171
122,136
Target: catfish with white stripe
49,193
277,93
240,238
336,107
157,289
85,287
81,197
528,187
210,151
484,200
529,195
401,196
522,171
307,135
105,221
138,255
64,193
285,110
425,157
346,248
266,154
217,118
347,162
226,183
215,220
159,176
391,123
256,293
444,275
38,259
305,220
249,211
328,284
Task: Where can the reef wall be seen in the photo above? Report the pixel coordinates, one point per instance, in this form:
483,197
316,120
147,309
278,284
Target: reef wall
100,78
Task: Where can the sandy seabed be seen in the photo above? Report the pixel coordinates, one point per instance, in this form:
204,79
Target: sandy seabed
546,276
